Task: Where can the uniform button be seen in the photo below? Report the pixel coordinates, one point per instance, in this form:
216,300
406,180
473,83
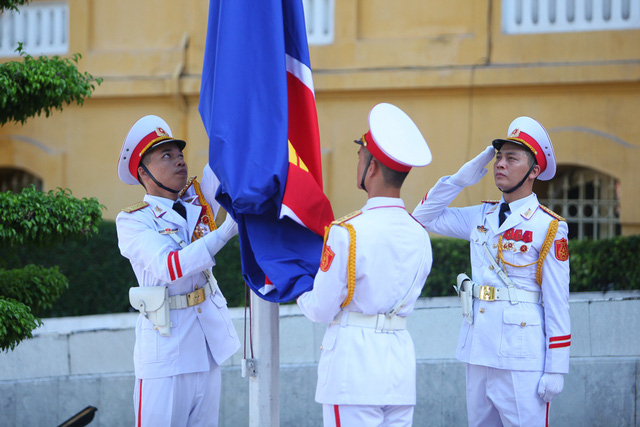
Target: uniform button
495,246
482,310
491,267
199,310
155,327
523,324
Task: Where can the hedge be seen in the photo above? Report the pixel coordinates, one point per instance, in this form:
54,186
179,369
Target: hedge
99,277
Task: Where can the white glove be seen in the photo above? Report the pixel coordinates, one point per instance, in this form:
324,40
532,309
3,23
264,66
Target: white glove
472,172
550,386
218,238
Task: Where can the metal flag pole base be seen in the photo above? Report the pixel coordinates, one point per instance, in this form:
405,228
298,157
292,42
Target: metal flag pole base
263,369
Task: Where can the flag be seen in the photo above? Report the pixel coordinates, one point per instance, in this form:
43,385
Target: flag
257,104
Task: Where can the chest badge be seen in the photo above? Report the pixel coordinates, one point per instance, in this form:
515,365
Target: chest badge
482,229
168,231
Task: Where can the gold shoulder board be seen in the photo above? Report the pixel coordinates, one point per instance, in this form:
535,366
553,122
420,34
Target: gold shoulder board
346,217
135,207
552,213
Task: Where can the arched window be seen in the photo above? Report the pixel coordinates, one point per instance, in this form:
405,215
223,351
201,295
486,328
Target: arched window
15,180
588,200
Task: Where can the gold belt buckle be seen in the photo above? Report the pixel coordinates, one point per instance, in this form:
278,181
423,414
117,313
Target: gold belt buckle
487,293
195,297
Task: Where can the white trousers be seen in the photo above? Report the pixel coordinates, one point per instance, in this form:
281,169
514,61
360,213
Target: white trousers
183,400
499,397
367,415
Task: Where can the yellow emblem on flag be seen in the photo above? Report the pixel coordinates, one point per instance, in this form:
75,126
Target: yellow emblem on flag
295,159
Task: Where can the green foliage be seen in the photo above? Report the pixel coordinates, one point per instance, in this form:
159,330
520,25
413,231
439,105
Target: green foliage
35,286
450,258
32,219
602,265
605,265
100,278
16,323
34,85
35,217
12,4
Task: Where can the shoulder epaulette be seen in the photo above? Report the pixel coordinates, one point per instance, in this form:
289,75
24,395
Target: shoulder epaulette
552,213
135,207
346,217
187,185
493,202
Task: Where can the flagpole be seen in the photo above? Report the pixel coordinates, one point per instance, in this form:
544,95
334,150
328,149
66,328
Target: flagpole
264,387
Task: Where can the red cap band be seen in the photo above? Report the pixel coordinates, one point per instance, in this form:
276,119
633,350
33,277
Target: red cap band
146,142
373,148
533,145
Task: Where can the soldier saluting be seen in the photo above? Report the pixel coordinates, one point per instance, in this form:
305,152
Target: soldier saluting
516,331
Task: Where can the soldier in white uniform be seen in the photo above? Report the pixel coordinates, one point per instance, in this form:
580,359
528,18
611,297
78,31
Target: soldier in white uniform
516,331
184,332
374,265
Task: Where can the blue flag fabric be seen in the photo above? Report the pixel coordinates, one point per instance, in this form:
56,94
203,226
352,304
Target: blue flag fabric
245,101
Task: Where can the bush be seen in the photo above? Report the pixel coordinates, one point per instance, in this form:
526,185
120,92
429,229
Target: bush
99,277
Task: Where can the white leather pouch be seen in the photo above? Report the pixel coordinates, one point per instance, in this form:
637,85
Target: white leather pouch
153,303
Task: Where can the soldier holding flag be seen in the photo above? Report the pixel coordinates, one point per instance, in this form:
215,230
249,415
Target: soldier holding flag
374,264
184,331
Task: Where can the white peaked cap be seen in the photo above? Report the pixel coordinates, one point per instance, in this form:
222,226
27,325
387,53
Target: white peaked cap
147,133
395,140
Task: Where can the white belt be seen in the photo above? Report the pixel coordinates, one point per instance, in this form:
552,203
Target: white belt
491,293
379,322
192,298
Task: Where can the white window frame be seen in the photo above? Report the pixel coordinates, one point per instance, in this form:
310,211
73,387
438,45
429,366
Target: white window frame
600,213
555,16
42,28
319,20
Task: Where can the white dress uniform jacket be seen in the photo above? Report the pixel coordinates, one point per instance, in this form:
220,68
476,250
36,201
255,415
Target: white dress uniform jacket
157,260
358,365
523,336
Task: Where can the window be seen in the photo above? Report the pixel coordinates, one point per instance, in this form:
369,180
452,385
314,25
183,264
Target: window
42,28
553,16
588,200
318,18
15,180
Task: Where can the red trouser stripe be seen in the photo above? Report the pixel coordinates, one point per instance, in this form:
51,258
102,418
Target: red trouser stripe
562,338
140,406
560,344
337,413
547,421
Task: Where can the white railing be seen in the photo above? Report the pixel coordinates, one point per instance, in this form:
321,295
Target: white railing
554,16
318,18
42,28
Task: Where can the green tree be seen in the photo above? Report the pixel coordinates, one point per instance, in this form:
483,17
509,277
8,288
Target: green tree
29,87
37,218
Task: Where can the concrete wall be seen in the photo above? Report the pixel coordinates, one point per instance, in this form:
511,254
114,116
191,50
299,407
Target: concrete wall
78,361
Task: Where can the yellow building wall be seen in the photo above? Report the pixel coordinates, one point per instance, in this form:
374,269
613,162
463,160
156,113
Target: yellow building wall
445,62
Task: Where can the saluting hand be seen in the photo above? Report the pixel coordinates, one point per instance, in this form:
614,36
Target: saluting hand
472,172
